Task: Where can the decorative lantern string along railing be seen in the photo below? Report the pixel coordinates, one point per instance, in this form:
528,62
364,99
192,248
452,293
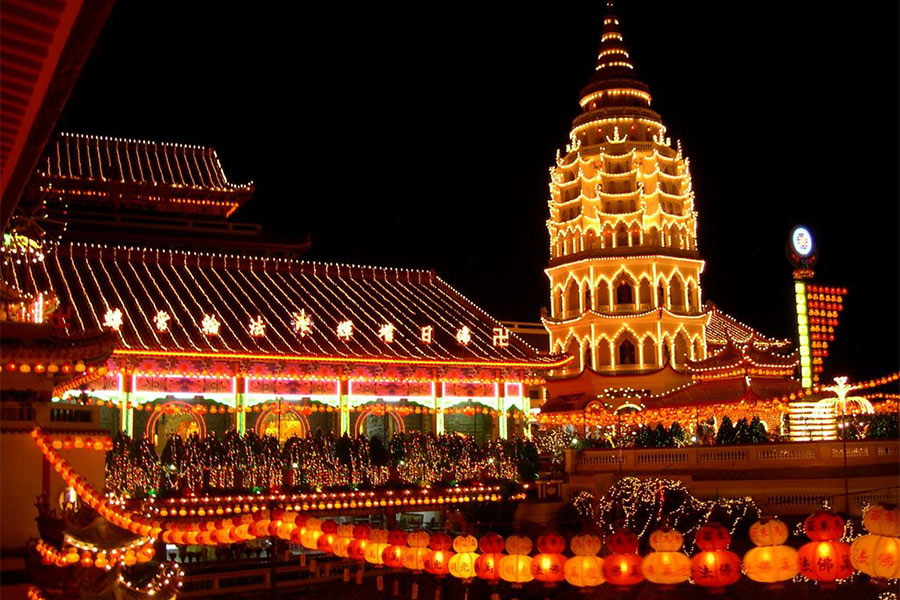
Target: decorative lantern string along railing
168,579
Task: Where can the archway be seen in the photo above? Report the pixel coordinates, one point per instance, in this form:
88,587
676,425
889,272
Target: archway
283,424
173,417
360,425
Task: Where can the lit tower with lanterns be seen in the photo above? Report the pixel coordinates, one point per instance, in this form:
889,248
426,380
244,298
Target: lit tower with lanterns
624,266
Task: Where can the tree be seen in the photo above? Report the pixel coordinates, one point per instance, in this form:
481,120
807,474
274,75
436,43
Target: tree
661,437
678,435
644,438
377,453
742,432
725,434
758,432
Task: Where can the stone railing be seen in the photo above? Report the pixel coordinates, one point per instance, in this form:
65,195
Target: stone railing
15,415
751,457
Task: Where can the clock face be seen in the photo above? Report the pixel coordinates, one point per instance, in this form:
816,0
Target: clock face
802,241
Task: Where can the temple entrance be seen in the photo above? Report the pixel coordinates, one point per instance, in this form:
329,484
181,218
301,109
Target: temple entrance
282,423
379,422
173,418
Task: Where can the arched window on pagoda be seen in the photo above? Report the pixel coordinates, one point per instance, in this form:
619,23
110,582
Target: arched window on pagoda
675,237
621,236
648,351
604,354
626,353
698,349
624,294
652,237
681,350
574,350
676,293
645,294
607,237
666,353
572,300
692,297
586,362
635,235
587,304
590,240
558,303
602,295
661,295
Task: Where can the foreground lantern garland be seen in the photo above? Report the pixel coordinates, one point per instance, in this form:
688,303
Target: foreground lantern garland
877,554
667,564
715,567
825,559
771,561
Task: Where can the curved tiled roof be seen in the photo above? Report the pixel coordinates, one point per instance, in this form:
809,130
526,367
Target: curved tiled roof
236,290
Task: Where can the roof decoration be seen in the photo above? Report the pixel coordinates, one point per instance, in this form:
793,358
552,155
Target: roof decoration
197,291
723,329
103,169
739,360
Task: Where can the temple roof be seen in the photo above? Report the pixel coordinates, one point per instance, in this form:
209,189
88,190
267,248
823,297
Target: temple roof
723,328
236,290
98,168
746,354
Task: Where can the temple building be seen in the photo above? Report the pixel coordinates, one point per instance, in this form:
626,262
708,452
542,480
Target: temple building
625,292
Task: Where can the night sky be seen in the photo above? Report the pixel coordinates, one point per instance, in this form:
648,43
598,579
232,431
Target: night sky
422,137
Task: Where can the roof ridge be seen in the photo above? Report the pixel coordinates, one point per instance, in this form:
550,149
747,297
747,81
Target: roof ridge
107,138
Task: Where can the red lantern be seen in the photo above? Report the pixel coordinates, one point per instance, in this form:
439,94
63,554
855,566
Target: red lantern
715,567
623,541
437,562
824,525
392,556
440,541
491,543
357,548
622,568
825,561
548,568
551,543
487,566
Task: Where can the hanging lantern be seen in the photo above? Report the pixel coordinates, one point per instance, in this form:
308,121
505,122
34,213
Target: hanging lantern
622,568
437,561
883,519
329,534
392,556
585,569
876,554
414,554
342,541
715,567
771,561
824,559
515,567
666,565
356,549
462,563
375,548
487,566
548,565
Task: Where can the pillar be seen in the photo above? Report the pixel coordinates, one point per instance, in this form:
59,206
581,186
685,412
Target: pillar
525,403
240,403
437,392
502,421
344,406
126,400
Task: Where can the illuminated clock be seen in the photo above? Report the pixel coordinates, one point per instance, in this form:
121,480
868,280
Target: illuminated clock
802,241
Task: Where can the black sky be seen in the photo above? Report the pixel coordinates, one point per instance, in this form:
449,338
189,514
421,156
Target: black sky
422,137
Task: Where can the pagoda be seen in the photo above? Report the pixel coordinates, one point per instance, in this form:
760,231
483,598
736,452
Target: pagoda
624,262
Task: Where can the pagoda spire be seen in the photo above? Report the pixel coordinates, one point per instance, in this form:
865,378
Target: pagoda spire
614,82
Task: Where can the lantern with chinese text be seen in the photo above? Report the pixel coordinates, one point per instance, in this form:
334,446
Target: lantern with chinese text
487,566
357,548
883,519
585,569
375,548
715,567
824,559
437,562
622,568
876,554
417,549
515,567
771,561
341,544
666,565
310,534
392,556
329,534
462,564
548,565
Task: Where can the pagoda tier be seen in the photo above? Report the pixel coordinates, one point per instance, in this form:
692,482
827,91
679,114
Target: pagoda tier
624,267
723,329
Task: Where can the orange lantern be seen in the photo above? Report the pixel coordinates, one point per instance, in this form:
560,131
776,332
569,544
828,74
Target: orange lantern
329,535
375,548
342,541
883,519
825,559
414,554
715,567
622,568
666,565
515,567
548,565
357,548
585,569
487,566
310,534
771,561
437,562
876,554
462,563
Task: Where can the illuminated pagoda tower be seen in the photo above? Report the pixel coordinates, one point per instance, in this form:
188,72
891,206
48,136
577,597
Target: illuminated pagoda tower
624,263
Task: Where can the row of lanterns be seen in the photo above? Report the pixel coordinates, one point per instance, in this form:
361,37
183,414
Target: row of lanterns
823,559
